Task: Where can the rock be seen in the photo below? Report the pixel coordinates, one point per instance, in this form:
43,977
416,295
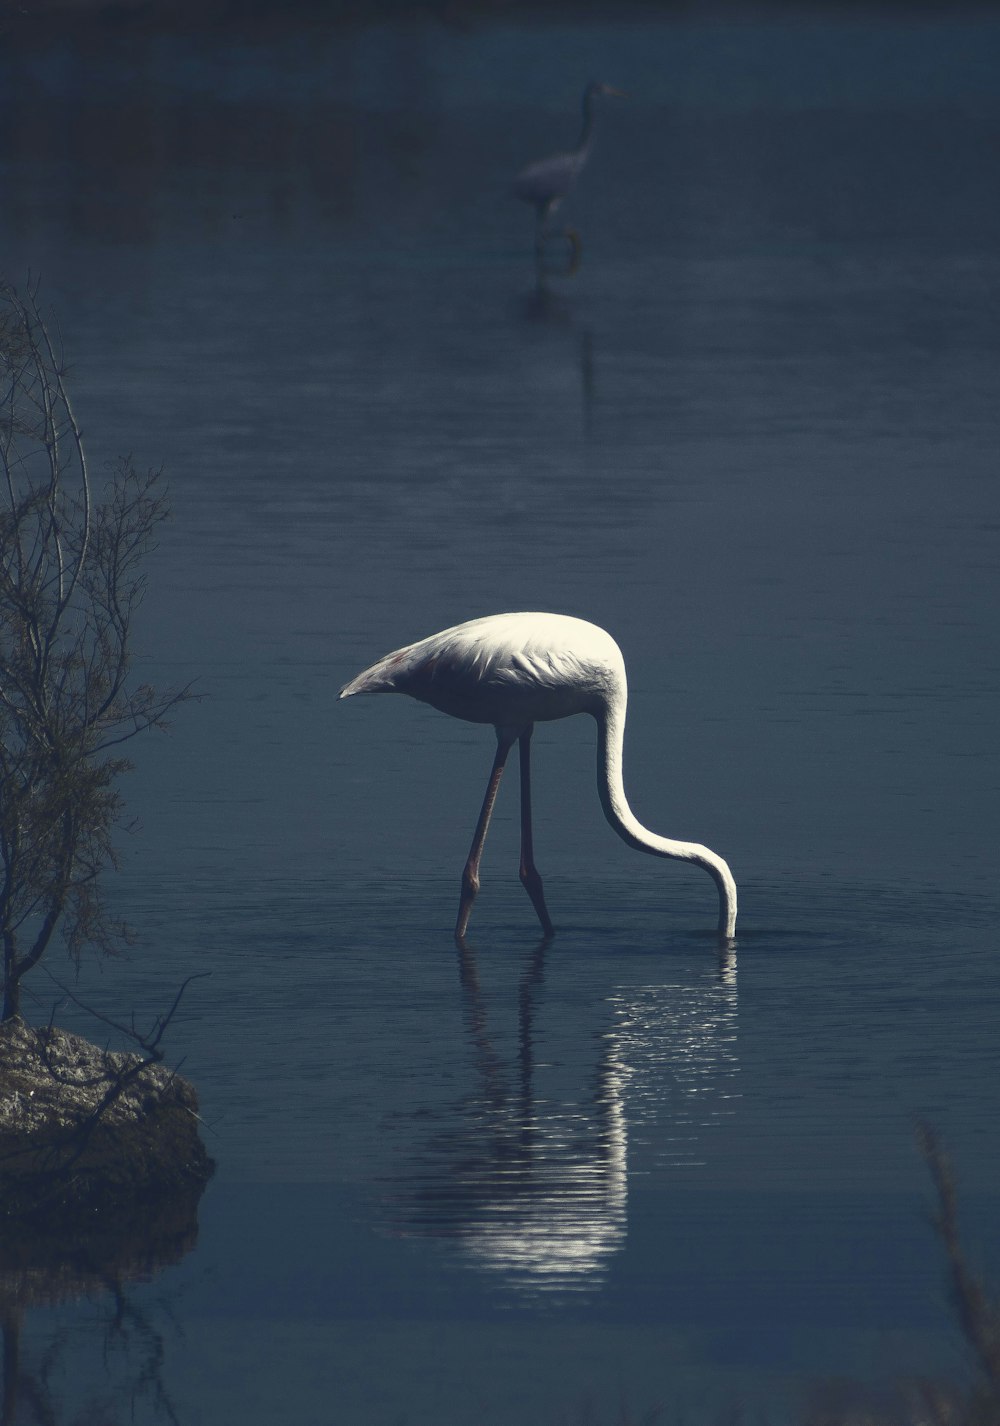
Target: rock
86,1132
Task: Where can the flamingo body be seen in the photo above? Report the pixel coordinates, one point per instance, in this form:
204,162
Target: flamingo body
515,670
548,181
510,670
545,183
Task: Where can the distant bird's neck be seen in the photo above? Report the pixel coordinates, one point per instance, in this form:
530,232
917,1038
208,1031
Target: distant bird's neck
587,131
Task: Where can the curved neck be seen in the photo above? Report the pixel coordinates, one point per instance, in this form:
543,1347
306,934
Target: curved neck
586,133
610,786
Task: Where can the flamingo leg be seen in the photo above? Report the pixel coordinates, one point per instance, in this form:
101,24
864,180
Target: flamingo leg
470,876
543,216
530,879
541,236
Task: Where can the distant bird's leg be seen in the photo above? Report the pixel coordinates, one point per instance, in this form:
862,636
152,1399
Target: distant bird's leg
470,876
575,251
544,214
541,236
530,879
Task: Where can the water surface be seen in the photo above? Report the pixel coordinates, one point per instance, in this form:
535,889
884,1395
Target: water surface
755,437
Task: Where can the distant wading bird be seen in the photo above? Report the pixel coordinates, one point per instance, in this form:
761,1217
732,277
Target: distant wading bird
546,183
516,670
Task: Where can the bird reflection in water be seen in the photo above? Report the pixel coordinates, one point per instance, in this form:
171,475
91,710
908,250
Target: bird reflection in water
551,1204
529,1175
568,351
680,1041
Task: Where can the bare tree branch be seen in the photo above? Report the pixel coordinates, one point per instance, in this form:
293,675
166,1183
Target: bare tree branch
978,1313
71,581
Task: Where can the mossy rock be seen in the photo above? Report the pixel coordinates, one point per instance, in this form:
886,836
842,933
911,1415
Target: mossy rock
87,1132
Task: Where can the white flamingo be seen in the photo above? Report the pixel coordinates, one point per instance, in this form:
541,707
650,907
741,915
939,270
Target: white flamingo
515,670
545,183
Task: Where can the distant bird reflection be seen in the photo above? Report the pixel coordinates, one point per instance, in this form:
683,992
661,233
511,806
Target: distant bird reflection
547,182
548,317
543,307
529,1173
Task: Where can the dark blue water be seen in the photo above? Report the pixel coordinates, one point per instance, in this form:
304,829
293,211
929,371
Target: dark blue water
755,437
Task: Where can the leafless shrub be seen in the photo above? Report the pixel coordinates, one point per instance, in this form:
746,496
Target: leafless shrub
977,1311
924,1402
70,583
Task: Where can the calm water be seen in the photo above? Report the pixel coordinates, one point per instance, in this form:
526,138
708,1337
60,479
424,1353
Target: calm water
755,437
